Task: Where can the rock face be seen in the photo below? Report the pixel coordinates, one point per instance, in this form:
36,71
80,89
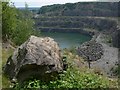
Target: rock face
91,50
37,57
74,24
116,38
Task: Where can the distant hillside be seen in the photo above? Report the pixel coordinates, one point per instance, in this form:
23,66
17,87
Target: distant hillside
32,9
81,9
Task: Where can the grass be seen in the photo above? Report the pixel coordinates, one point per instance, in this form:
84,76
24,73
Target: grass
5,54
0,65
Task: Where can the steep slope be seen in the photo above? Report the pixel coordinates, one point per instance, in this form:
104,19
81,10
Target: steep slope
103,9
74,24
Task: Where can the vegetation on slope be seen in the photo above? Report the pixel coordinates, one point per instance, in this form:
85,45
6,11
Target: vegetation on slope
17,25
6,53
81,9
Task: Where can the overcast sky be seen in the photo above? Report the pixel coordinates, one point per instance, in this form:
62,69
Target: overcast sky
39,3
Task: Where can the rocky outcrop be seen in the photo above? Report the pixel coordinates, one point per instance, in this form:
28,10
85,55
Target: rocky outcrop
37,57
70,23
101,55
109,60
83,25
91,50
116,38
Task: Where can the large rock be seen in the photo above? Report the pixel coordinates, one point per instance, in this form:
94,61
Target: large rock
37,57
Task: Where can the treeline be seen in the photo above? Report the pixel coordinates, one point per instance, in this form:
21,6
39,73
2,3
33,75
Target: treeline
103,9
17,25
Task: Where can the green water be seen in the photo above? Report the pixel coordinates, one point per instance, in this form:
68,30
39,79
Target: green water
67,40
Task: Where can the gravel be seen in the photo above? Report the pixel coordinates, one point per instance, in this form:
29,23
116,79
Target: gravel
108,60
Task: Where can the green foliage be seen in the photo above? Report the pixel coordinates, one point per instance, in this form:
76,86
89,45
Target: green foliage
5,55
81,9
72,50
17,24
24,27
8,20
71,78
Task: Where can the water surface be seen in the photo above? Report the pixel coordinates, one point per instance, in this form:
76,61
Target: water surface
67,40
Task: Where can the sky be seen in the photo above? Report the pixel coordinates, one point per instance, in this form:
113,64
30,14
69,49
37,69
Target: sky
39,3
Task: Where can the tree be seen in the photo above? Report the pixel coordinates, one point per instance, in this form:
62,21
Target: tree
24,26
8,20
17,24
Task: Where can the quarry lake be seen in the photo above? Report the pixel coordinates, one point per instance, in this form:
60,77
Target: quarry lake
67,40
